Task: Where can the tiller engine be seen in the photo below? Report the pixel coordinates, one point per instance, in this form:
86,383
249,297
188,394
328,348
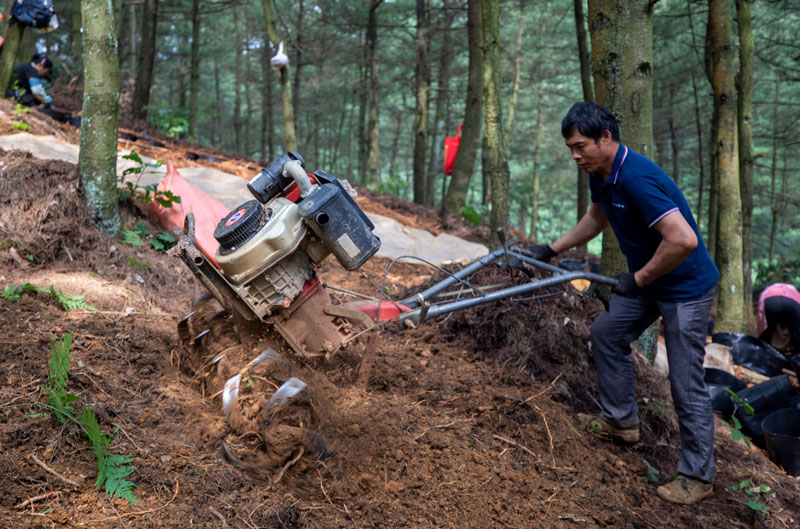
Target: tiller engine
263,278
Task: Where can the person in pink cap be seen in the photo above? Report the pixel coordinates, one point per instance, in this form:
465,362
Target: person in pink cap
779,317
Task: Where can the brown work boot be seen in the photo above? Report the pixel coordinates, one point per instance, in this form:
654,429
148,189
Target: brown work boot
685,490
598,425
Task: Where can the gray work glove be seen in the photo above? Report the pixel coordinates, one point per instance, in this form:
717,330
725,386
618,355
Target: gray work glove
542,252
626,285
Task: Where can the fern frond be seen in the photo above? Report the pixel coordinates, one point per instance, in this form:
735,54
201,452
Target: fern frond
13,292
70,302
56,387
112,469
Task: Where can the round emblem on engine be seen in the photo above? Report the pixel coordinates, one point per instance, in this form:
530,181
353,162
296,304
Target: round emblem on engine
235,217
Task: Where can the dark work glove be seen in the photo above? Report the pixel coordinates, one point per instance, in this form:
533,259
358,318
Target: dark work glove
542,252
626,285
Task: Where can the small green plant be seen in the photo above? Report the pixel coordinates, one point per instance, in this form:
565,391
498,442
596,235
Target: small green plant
10,243
761,492
68,302
19,125
169,120
652,472
131,237
472,215
162,241
20,110
660,408
112,469
736,428
56,387
137,264
147,193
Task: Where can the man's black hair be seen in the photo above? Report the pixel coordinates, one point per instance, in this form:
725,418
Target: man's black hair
590,120
42,61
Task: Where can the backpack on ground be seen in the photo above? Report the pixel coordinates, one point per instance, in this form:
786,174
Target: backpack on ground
34,13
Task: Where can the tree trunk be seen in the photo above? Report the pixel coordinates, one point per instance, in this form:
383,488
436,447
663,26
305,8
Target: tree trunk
730,315
363,104
746,161
14,36
267,151
673,137
75,51
713,195
701,161
440,115
585,57
622,43
496,143
622,56
373,128
517,67
464,164
132,31
237,88
219,123
298,62
97,160
286,81
421,85
147,51
537,159
194,71
774,200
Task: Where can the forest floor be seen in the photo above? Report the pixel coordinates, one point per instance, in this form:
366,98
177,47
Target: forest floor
468,422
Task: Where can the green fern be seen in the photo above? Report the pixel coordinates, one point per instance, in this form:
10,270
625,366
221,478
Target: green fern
68,302
112,469
56,387
14,292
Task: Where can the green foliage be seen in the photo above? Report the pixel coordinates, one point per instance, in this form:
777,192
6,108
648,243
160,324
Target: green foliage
147,193
112,469
169,120
56,386
10,243
68,302
652,472
163,241
761,492
393,185
131,237
137,264
20,110
736,428
19,125
473,214
777,272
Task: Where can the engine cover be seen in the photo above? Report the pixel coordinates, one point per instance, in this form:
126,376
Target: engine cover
261,256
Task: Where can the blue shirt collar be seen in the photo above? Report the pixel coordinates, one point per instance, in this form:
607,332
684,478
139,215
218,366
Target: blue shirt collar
619,159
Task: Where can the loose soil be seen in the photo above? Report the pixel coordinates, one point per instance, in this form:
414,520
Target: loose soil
469,421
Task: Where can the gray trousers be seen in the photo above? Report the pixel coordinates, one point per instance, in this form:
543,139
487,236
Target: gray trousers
685,325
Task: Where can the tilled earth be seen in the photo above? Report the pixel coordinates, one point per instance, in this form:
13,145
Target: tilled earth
465,422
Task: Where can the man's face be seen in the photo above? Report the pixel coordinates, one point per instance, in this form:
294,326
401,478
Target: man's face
592,156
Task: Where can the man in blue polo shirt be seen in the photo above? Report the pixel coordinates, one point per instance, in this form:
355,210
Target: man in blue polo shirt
671,275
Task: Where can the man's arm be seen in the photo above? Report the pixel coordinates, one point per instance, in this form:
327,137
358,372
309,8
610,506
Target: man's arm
677,242
584,231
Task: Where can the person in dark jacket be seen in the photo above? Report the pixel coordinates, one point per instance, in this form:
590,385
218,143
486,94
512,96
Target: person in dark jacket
27,88
670,275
